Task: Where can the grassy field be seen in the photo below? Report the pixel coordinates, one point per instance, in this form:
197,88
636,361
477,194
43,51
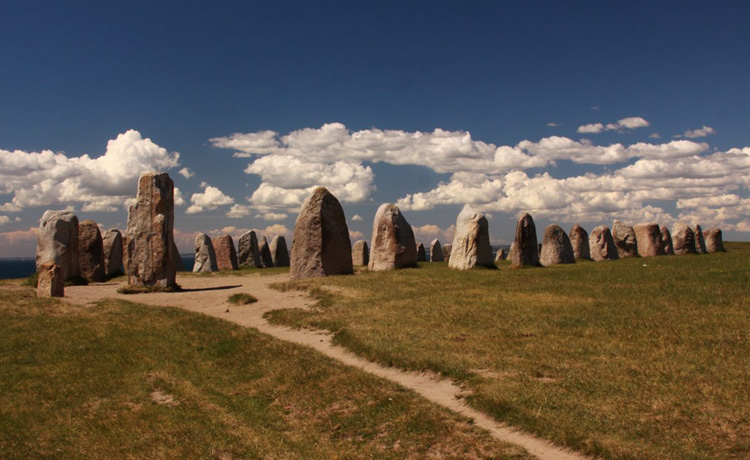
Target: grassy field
629,359
120,380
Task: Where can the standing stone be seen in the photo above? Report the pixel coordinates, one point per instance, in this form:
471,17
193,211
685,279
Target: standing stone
700,243
249,253
150,225
90,251
601,244
683,239
556,248
226,256
579,240
649,240
625,240
393,244
436,251
50,282
266,261
174,253
112,243
526,249
500,256
279,252
511,250
714,240
421,253
360,253
666,242
471,242
447,252
205,257
321,244
57,242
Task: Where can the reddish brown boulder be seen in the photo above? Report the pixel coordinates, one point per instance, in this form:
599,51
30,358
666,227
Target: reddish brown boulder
226,256
50,283
666,242
700,243
579,240
714,240
90,251
112,243
649,240
279,252
436,251
683,239
360,253
525,248
393,244
625,240
266,260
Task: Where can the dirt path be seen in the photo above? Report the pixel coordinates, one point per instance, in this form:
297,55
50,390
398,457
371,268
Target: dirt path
208,295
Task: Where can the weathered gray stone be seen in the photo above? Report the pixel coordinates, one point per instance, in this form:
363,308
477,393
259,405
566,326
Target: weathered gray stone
226,256
683,239
666,242
174,254
700,243
421,253
447,252
500,256
279,252
714,240
321,245
149,233
266,261
649,240
248,251
526,249
625,240
90,251
601,244
360,253
471,242
50,282
511,250
579,240
205,256
393,244
112,243
436,251
556,247
57,242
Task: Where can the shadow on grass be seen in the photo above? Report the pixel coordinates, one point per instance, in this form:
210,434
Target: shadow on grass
217,288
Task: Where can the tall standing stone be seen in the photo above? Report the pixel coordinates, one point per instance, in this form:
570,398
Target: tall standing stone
436,251
683,239
666,242
174,254
421,253
360,253
393,244
714,240
625,240
226,256
149,234
601,244
649,240
447,252
526,249
205,257
90,251
556,247
50,282
471,242
700,243
112,242
57,242
500,256
321,244
249,253
266,261
279,252
579,240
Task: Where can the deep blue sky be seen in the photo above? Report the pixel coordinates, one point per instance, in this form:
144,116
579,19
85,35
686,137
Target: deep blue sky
77,74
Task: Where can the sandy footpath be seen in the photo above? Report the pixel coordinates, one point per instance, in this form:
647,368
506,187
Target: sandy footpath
208,295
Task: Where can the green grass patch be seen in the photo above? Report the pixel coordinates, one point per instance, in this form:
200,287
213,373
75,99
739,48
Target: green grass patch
123,380
631,359
147,289
242,299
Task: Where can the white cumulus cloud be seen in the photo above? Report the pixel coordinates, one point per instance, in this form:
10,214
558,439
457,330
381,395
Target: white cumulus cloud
208,200
700,132
625,123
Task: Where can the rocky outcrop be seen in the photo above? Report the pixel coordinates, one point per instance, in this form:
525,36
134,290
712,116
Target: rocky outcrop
57,241
471,242
248,251
601,244
279,252
625,240
205,257
90,251
436,251
579,240
556,247
525,246
149,233
683,239
666,242
700,243
447,252
112,243
714,240
649,240
266,261
360,253
226,256
392,246
321,245
50,282
421,253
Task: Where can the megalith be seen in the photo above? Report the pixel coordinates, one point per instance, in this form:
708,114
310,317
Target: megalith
500,256
601,244
625,240
421,253
205,257
556,247
360,253
447,252
579,240
436,251
700,243
226,256
266,261
666,242
50,282
471,242
174,254
683,239
525,250
248,251
57,241
714,240
279,251
112,243
90,251
649,239
393,244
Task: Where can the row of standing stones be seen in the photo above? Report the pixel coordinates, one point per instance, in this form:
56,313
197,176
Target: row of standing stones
321,244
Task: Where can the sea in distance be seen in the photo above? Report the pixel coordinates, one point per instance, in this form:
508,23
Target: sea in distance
23,267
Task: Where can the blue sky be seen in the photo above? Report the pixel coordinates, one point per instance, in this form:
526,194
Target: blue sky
548,107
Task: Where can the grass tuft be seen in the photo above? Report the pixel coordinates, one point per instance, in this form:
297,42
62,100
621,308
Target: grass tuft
242,299
147,289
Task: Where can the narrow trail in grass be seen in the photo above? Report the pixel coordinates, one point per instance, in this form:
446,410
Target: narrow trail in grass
209,295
